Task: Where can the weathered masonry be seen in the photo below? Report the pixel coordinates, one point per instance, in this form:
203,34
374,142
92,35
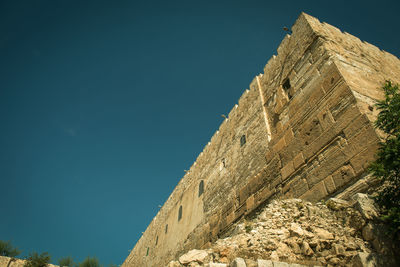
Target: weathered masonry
303,129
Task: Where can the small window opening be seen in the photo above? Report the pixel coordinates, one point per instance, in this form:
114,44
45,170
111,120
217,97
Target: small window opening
242,140
147,253
201,187
166,228
180,213
286,85
156,240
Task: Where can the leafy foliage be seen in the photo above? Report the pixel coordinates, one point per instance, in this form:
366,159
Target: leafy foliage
387,165
90,262
6,249
67,261
36,260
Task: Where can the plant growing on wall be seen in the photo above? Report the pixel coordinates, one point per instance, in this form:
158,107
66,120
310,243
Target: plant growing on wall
36,260
386,167
7,249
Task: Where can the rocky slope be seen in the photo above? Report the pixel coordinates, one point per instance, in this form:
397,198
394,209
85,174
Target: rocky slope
15,262
335,233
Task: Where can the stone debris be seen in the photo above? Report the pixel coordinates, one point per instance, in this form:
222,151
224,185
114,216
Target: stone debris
294,233
194,255
363,259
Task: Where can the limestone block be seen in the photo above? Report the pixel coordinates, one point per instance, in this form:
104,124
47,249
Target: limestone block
193,255
329,184
238,262
250,203
213,264
365,205
279,145
298,160
316,193
343,176
361,161
263,195
265,263
287,170
280,264
299,187
358,123
288,136
326,119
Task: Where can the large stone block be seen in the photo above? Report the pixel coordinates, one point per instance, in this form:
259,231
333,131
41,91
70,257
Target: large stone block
316,193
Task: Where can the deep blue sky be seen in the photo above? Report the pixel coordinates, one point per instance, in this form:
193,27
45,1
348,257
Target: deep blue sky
104,104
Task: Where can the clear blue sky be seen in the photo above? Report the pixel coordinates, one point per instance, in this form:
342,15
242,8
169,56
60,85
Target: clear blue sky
104,104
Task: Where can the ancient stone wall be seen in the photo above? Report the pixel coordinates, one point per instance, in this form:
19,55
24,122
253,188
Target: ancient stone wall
303,129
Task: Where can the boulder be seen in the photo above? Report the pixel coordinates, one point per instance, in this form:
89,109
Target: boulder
364,259
365,205
193,255
306,250
296,230
367,232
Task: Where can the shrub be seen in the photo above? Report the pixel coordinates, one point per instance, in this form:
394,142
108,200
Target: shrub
67,261
90,262
6,249
386,167
36,260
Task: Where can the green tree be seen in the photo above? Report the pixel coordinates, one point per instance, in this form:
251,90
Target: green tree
7,249
66,261
90,262
36,260
387,164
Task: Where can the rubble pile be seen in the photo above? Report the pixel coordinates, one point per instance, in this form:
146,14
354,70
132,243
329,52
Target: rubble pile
294,232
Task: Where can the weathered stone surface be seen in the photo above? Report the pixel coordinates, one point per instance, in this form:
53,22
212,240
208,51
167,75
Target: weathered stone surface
264,263
337,204
367,232
322,233
363,259
212,264
366,206
280,264
193,255
295,230
238,262
306,250
174,264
